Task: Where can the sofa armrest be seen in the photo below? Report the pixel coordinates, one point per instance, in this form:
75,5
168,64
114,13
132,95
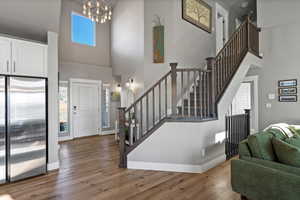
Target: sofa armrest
259,182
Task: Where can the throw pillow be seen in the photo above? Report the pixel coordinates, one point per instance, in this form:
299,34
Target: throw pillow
286,153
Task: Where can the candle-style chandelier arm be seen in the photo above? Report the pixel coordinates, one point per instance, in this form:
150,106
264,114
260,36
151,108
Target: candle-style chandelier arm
97,10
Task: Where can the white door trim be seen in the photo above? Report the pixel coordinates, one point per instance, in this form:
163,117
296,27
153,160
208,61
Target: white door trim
85,81
254,80
220,9
69,137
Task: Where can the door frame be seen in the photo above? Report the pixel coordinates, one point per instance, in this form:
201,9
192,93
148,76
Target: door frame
98,83
254,99
221,10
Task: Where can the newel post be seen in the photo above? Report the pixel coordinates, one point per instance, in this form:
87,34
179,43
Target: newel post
211,66
174,88
122,135
248,125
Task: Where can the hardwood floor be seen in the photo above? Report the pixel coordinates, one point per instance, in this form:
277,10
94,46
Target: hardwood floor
89,171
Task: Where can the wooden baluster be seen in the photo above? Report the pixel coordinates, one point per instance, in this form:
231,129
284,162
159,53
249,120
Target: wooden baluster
141,118
174,88
182,93
129,126
205,94
122,145
218,75
239,45
159,99
166,97
135,134
189,97
248,34
195,94
248,124
209,104
221,69
147,112
153,106
227,62
200,94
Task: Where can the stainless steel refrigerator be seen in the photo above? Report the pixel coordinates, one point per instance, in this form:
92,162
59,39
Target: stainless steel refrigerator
23,127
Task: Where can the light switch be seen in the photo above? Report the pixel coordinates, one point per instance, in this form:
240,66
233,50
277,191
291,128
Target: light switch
272,96
269,105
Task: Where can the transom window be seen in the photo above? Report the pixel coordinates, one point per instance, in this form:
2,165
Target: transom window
83,30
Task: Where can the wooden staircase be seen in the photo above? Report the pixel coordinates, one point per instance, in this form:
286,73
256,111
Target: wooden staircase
185,94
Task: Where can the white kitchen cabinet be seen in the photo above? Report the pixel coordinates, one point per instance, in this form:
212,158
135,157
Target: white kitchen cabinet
5,56
23,58
29,59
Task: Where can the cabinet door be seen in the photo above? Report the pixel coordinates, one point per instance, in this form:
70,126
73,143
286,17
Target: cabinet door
29,59
5,56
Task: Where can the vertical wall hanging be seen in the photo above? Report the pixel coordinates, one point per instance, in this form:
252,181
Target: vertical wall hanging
158,41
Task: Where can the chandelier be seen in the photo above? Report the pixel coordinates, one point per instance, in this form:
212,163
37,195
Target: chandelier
97,10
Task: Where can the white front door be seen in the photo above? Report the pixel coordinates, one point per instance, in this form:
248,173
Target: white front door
85,109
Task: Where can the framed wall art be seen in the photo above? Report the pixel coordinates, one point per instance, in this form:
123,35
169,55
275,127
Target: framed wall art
287,83
288,98
198,13
158,44
287,91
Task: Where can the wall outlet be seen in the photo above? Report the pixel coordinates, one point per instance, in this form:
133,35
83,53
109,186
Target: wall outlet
269,105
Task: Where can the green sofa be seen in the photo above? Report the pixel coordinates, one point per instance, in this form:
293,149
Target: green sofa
258,175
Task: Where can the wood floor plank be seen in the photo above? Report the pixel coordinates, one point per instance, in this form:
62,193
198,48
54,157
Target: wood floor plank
89,171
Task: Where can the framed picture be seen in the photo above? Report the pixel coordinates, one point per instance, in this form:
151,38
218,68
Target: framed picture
287,91
287,83
288,98
198,13
158,44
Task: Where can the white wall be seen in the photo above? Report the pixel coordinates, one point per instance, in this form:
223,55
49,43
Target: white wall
30,19
280,45
84,71
128,39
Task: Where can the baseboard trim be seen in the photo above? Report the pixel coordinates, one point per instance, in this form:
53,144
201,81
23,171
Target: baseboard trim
176,167
109,132
53,166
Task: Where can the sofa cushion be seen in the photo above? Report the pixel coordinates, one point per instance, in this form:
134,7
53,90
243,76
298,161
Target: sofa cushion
294,130
277,133
286,153
295,141
244,149
261,146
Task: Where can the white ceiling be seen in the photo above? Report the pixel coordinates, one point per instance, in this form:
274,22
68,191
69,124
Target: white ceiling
29,18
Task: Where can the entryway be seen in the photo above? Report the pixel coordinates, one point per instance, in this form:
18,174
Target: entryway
85,107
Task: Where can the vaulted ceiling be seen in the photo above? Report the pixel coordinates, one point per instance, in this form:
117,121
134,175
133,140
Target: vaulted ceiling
29,18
